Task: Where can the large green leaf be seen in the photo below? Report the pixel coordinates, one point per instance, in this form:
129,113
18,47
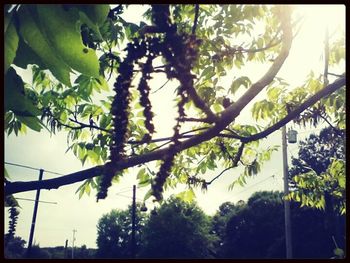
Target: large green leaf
25,56
96,13
60,26
32,35
32,122
14,96
93,16
11,42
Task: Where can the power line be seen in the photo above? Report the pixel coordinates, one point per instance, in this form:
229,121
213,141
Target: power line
255,184
129,197
32,168
27,199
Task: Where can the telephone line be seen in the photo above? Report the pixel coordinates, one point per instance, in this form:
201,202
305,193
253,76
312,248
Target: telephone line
32,168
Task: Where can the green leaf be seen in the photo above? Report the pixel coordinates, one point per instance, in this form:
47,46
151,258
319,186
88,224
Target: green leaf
7,176
148,194
141,173
67,41
187,196
14,98
236,84
11,42
273,94
35,39
25,56
338,252
97,14
32,122
208,72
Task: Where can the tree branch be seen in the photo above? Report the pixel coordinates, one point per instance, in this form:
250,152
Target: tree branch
199,103
235,163
83,125
227,116
195,19
293,114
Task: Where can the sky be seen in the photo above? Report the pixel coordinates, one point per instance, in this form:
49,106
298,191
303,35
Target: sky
55,222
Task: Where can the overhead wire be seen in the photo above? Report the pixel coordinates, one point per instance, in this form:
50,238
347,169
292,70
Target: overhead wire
32,168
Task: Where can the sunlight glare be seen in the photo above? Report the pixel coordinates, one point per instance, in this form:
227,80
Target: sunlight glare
321,17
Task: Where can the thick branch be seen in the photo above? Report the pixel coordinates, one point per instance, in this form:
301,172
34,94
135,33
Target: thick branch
224,120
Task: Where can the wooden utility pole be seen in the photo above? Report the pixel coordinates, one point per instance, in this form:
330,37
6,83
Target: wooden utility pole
65,249
133,219
31,235
287,219
74,230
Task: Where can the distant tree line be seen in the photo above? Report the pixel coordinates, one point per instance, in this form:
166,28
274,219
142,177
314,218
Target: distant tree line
177,229
252,229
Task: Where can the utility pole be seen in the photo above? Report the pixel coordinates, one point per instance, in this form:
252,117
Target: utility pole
287,219
74,230
65,249
31,235
133,219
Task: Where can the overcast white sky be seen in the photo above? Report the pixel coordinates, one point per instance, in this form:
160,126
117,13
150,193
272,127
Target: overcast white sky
55,222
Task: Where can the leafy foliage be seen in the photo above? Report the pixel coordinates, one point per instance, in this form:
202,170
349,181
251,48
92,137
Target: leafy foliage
114,231
177,230
255,229
196,46
318,174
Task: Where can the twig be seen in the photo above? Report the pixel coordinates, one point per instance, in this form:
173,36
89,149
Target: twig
338,131
336,75
161,86
84,125
326,59
234,164
195,19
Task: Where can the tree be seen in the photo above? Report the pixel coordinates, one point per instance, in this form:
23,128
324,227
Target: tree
177,230
257,230
252,230
318,179
318,174
13,247
193,46
219,222
114,234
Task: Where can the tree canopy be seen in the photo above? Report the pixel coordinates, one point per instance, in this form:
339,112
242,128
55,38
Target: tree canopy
242,230
113,233
73,50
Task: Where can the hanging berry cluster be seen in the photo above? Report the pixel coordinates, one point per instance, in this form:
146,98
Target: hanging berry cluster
145,102
180,52
13,211
120,111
